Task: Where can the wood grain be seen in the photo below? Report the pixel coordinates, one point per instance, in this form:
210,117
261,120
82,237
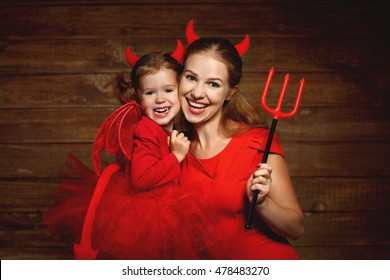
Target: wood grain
59,59
345,90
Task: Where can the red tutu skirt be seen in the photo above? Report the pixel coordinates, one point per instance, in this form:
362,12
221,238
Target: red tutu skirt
171,222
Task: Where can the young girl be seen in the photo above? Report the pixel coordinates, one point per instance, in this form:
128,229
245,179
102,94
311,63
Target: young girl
155,163
138,209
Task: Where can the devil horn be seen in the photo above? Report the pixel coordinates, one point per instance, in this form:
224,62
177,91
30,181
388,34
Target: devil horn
131,57
190,33
243,46
179,52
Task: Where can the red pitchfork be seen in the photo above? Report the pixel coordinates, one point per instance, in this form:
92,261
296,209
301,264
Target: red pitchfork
276,113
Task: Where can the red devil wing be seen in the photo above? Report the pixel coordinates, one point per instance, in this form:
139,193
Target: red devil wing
99,143
112,134
116,133
127,127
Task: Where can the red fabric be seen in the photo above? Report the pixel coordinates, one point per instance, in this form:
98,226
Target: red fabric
152,164
222,179
116,133
165,222
84,250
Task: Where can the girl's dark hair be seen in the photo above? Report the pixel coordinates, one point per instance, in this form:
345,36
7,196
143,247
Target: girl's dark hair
127,84
237,108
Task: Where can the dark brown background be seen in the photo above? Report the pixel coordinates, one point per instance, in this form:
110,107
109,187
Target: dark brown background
58,59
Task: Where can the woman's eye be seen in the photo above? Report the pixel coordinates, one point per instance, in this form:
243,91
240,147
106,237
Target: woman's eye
213,84
190,78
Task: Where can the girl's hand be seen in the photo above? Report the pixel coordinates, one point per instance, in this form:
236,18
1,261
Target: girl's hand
260,180
179,145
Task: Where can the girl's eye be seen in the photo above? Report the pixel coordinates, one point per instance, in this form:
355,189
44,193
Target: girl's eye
168,90
214,85
150,92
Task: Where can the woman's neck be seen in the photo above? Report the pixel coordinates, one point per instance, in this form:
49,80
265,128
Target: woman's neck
208,140
206,133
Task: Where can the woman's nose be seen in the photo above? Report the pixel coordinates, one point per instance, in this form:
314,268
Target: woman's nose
197,92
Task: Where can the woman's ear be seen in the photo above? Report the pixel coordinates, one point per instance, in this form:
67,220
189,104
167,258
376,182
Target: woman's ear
232,92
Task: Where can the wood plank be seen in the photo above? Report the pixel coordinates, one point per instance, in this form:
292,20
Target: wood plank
370,252
47,91
50,126
333,125
325,194
345,229
58,59
138,2
96,90
40,161
340,159
81,125
362,252
107,55
318,159
36,238
40,253
322,89
285,19
133,2
336,194
26,196
21,221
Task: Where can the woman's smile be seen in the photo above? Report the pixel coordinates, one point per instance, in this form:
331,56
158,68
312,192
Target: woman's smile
196,107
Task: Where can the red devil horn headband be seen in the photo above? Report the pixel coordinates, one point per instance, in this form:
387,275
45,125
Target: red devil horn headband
191,36
179,52
132,59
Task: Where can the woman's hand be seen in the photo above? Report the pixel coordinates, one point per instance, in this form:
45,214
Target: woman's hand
260,180
179,145
278,208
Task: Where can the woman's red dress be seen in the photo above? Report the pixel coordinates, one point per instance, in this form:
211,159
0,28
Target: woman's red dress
222,179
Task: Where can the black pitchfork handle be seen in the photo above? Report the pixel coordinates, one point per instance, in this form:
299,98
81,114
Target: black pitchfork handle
264,160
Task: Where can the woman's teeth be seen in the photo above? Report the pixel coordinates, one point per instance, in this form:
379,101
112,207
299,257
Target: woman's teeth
197,105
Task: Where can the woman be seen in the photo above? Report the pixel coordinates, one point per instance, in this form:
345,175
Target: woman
227,143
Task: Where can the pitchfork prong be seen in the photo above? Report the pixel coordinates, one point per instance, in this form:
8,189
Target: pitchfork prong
277,112
282,93
265,92
298,100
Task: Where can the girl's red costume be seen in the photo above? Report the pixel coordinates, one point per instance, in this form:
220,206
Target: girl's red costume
107,218
222,179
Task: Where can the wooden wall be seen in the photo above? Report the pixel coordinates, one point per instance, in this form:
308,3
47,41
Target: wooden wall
58,59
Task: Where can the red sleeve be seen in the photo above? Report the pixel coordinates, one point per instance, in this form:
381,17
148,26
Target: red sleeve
152,164
259,141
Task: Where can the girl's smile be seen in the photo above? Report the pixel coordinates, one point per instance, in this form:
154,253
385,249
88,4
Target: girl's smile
160,99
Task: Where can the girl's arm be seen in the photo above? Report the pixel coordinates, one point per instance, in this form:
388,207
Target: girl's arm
152,164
